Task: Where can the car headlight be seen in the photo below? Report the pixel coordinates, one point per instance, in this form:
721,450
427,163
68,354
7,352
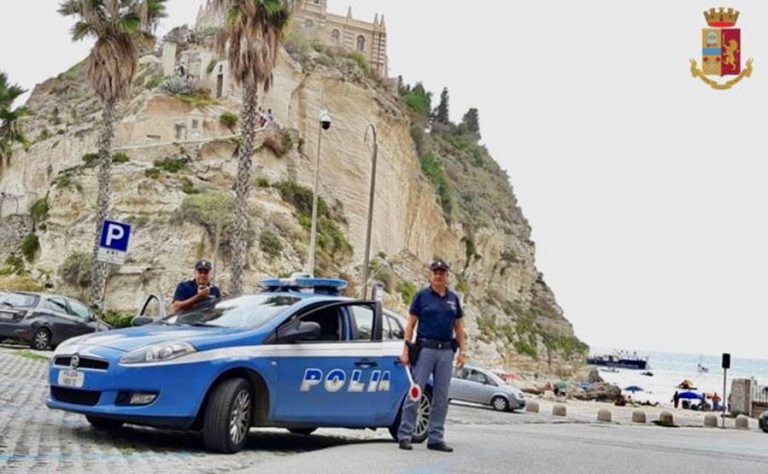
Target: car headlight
158,353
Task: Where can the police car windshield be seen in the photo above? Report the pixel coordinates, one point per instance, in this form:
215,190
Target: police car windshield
243,312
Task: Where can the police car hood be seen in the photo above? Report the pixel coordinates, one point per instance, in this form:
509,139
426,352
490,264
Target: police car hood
128,339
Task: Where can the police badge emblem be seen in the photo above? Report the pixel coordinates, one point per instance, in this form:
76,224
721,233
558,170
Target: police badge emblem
721,50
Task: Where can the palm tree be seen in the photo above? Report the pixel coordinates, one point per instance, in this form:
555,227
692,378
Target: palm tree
10,130
121,28
250,40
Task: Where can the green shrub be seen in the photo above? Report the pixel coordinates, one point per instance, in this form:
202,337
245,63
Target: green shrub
118,319
270,243
207,209
525,347
434,172
262,182
187,187
361,60
14,265
76,269
171,165
407,290
90,159
301,198
30,246
153,173
120,157
39,212
229,120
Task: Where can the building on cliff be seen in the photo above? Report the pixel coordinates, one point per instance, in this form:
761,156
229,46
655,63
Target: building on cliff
333,30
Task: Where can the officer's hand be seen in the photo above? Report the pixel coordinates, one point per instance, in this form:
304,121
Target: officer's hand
404,358
203,291
461,360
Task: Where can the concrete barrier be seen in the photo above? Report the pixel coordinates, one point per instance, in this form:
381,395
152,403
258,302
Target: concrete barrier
638,416
604,415
559,410
666,418
532,406
742,422
710,420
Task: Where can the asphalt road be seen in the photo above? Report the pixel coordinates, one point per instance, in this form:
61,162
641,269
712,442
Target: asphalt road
34,439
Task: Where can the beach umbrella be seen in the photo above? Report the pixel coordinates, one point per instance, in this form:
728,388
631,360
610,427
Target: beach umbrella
633,389
690,396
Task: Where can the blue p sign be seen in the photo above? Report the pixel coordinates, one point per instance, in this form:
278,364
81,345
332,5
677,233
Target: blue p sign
115,236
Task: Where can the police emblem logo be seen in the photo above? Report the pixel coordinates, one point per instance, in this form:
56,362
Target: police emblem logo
721,50
74,362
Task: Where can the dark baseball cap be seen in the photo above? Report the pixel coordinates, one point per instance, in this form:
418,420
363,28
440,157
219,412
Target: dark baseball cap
203,265
438,265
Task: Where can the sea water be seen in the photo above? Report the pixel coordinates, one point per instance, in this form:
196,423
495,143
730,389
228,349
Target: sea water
670,369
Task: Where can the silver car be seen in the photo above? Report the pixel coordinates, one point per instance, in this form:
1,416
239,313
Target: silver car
473,384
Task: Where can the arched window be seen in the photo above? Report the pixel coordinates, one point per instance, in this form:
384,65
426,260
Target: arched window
361,43
336,35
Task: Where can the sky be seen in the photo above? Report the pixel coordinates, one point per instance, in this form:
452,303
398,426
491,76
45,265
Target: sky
645,189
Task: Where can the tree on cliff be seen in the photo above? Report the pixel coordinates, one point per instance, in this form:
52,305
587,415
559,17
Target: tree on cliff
470,123
250,40
442,113
121,28
10,130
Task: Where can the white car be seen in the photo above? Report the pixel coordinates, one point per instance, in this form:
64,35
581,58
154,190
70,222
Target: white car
473,384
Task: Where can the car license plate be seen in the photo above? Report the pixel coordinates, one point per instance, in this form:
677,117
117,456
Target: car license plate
6,316
71,378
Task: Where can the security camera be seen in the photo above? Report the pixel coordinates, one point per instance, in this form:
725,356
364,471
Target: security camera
325,120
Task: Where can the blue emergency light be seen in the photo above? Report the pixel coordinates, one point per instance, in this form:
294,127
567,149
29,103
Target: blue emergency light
304,284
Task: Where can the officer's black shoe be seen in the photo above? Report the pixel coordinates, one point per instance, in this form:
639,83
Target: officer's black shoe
440,447
405,444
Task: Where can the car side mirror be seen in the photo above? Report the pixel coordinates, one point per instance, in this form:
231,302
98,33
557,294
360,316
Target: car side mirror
142,321
304,331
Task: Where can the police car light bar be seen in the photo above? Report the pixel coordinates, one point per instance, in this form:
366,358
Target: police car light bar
320,286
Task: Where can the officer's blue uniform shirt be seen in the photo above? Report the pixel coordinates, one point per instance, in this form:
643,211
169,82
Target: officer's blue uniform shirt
188,289
437,314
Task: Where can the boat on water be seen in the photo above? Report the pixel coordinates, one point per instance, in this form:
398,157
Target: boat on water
619,360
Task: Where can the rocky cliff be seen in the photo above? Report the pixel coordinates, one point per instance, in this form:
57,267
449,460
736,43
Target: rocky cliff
173,176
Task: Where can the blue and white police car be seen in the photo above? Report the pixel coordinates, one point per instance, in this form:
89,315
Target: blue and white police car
297,356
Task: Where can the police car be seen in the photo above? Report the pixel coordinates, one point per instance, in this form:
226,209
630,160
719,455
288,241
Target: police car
297,356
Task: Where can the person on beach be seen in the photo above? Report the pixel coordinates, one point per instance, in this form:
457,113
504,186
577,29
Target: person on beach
716,402
676,398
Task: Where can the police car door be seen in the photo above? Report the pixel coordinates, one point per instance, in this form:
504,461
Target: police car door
323,382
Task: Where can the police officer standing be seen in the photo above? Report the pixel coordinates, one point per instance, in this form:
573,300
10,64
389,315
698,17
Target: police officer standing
438,312
190,293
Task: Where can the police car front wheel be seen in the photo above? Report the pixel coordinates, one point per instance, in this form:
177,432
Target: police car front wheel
228,416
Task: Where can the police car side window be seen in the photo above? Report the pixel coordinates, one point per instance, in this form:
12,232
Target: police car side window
329,321
392,329
362,322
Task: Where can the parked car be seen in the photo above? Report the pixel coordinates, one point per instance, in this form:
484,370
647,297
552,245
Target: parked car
296,356
477,385
762,422
43,320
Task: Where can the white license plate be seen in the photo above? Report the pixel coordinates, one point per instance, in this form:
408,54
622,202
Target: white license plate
6,316
71,378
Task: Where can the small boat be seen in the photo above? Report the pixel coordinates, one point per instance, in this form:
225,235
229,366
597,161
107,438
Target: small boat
622,360
647,373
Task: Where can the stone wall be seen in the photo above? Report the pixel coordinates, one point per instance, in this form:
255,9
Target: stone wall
13,229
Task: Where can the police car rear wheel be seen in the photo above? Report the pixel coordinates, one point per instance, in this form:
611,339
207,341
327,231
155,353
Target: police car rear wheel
103,423
302,431
500,404
228,416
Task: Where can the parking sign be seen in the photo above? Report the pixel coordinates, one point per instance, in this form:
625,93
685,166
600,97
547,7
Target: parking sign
114,242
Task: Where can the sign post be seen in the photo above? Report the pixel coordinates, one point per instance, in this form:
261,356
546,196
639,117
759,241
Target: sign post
113,247
726,364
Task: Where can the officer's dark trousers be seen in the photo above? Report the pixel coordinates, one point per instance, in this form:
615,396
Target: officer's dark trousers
439,364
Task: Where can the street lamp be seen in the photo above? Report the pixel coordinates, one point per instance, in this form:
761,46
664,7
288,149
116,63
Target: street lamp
325,123
370,207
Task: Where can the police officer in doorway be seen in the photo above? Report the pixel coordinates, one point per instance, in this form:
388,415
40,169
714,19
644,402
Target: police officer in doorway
438,312
190,293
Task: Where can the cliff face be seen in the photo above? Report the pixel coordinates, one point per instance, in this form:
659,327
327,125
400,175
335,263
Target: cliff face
173,180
